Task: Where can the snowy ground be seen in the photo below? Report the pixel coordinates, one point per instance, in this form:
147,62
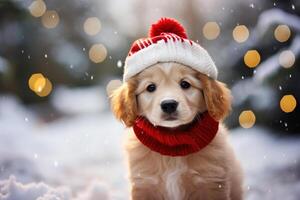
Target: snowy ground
79,156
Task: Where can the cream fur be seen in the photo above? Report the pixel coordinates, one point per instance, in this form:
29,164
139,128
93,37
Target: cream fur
213,173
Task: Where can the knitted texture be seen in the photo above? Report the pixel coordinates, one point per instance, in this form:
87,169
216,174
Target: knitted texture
179,141
167,42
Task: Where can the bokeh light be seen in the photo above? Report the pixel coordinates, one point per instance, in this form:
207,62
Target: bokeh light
252,58
92,26
97,53
50,19
46,89
40,85
247,119
288,103
282,33
240,33
211,30
37,8
33,80
287,58
112,85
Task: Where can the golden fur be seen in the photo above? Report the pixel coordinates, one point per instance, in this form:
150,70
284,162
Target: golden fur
210,174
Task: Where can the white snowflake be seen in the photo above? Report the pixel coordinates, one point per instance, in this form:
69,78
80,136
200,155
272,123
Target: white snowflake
119,63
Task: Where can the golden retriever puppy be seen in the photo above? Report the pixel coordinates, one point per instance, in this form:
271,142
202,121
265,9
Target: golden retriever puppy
172,96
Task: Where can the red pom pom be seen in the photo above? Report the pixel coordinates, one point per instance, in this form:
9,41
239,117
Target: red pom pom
167,25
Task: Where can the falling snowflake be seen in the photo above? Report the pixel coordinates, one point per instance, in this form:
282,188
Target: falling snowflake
251,5
293,6
280,88
119,63
46,56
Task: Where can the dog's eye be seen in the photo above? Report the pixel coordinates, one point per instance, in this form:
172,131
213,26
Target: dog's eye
185,85
151,88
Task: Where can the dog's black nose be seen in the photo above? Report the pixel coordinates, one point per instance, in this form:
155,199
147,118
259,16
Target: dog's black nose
169,106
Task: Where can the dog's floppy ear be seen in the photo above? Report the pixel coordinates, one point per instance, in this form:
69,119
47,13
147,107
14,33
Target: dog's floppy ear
217,97
123,103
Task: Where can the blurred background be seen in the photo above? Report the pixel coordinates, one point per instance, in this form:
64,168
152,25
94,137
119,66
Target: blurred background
60,59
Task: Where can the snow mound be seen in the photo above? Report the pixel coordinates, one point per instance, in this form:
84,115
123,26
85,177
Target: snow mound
11,189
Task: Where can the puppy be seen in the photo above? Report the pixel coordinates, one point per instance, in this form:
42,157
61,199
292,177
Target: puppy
172,95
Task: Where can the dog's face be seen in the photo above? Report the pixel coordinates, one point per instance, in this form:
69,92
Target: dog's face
169,95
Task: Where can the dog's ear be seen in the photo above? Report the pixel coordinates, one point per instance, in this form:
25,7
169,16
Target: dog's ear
217,97
123,103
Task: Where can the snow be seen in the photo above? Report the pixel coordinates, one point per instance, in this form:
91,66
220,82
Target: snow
11,189
80,155
271,165
78,101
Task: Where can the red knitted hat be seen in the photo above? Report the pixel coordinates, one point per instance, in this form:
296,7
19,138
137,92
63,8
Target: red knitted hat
167,42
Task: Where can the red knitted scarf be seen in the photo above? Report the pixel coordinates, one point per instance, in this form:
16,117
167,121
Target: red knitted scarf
179,141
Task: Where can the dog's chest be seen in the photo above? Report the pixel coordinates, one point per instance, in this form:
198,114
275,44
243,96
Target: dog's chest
173,177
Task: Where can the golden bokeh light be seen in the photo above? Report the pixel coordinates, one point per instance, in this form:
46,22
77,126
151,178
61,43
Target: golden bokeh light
288,103
240,33
92,26
40,85
252,58
97,53
33,79
37,8
282,33
112,86
247,119
46,89
50,19
287,58
211,30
